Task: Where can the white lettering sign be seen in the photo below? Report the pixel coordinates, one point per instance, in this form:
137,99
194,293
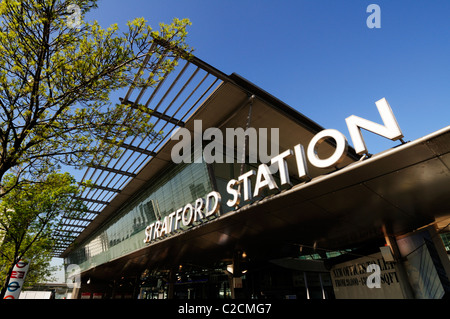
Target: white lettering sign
338,155
184,216
181,152
389,130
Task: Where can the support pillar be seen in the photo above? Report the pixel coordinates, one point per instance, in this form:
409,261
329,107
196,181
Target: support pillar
400,268
75,293
426,263
171,286
236,282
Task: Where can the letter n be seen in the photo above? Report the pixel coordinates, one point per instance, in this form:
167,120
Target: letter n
389,130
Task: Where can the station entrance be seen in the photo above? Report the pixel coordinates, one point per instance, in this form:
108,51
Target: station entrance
266,281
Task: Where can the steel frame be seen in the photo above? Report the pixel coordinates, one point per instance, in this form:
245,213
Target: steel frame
169,103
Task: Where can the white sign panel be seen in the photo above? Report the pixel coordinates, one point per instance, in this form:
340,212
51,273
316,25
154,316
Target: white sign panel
16,280
369,277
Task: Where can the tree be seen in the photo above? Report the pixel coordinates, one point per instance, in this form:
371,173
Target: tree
28,216
56,79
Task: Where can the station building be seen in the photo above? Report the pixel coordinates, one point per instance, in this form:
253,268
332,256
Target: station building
370,226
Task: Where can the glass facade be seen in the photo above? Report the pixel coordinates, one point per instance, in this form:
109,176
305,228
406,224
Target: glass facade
124,233
446,240
170,190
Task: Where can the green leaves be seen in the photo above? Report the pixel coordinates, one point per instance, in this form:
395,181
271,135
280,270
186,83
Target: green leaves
56,80
28,216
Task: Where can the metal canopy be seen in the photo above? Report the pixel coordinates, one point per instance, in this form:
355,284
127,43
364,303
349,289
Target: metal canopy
224,107
392,193
170,103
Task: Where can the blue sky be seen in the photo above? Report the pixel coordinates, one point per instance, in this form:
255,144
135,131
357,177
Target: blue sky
319,56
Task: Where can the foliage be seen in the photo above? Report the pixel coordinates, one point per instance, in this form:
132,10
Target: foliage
28,216
56,80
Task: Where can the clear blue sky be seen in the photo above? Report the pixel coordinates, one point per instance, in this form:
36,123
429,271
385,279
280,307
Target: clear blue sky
319,56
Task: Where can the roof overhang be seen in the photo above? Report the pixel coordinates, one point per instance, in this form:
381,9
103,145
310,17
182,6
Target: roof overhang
226,107
393,192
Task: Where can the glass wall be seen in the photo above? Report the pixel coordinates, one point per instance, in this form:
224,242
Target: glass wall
446,240
123,234
170,190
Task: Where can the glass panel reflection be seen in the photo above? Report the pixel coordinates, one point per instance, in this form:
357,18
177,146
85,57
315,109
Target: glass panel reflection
172,189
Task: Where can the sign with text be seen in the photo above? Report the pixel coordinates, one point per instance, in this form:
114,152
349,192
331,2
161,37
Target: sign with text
16,280
369,277
263,177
